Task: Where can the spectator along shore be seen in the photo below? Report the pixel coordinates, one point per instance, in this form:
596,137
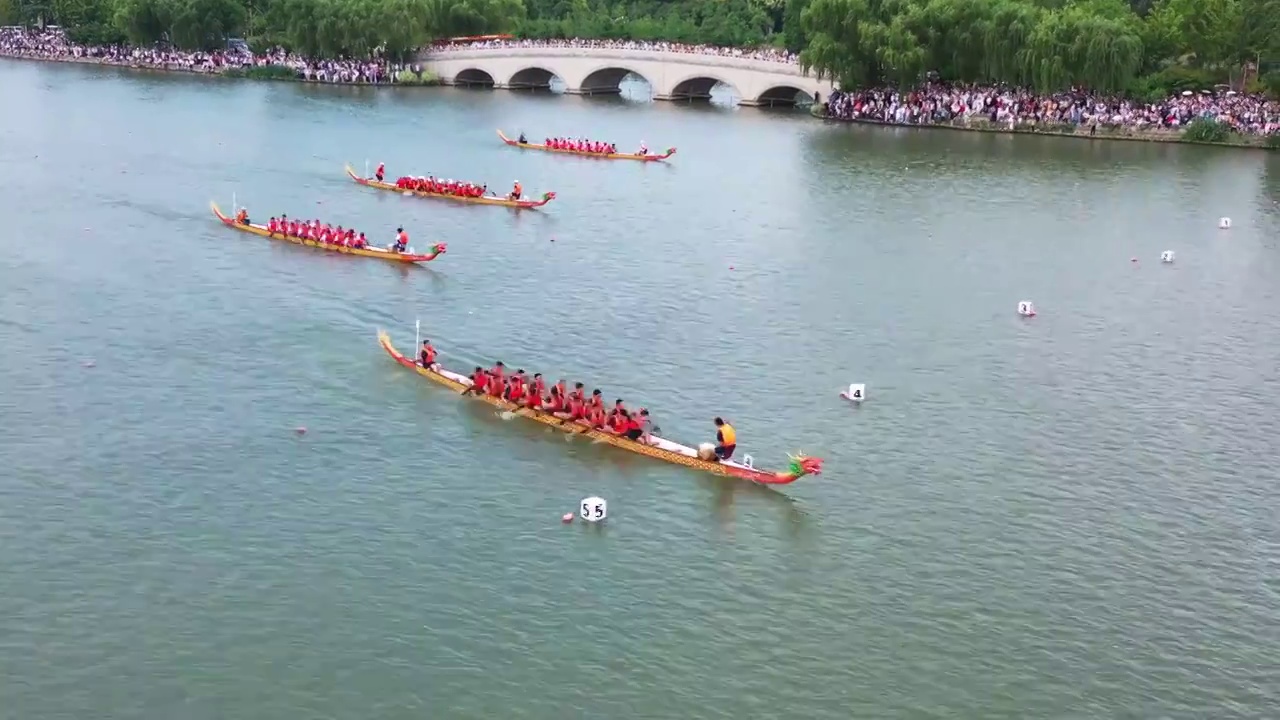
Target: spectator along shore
1210,117
1205,117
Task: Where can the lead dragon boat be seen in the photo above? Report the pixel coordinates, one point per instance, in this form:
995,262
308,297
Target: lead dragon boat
585,153
405,257
483,200
658,448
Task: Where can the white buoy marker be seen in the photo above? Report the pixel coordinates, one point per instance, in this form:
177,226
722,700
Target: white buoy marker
593,509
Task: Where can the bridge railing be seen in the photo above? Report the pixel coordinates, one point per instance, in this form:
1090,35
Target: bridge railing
772,67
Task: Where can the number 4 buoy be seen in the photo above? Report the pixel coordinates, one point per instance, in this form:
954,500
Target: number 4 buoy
857,392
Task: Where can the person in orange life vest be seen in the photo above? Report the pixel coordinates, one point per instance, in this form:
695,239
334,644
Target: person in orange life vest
726,439
382,168
242,217
402,240
515,191
361,242
428,356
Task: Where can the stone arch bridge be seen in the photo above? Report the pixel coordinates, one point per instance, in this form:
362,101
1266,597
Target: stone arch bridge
590,71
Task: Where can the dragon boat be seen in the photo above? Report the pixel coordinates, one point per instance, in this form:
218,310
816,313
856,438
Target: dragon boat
483,200
658,448
405,257
602,156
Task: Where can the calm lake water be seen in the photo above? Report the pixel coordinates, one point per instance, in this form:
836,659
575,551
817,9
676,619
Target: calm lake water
1071,516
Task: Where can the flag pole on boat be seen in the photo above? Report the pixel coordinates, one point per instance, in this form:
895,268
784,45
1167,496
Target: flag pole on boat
417,330
366,167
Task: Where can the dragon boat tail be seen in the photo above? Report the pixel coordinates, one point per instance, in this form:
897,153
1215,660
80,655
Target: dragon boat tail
658,448
483,200
372,252
602,156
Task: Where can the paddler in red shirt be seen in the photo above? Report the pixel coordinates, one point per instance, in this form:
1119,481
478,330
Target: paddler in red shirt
515,390
382,168
479,379
555,403
533,400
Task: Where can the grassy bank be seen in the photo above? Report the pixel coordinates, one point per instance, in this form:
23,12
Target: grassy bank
1191,135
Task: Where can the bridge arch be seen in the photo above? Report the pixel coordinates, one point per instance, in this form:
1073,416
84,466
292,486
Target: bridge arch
607,79
473,77
784,95
697,86
532,77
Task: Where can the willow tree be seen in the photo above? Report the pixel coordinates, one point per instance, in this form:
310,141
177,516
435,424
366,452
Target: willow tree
1074,46
839,32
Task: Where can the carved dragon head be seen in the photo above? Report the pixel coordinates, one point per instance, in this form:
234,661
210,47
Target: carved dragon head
802,465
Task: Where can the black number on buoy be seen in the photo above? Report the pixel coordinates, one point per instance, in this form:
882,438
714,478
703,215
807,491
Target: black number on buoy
857,394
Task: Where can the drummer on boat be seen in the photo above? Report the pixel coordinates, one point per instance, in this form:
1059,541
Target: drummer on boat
516,191
522,141
644,149
402,241
726,440
380,172
242,216
427,356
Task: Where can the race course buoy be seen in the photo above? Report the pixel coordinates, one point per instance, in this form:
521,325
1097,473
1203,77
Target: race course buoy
593,509
567,518
1026,308
857,392
1166,256
1224,223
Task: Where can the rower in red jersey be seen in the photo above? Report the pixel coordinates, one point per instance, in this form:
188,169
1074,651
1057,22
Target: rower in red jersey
533,400
498,371
539,387
515,390
630,428
362,241
479,379
555,403
382,168
497,386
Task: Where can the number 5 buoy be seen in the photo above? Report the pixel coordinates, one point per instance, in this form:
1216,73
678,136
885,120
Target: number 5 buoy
593,509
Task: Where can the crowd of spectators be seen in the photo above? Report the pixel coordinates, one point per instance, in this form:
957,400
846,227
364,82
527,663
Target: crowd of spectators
767,54
54,45
938,103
